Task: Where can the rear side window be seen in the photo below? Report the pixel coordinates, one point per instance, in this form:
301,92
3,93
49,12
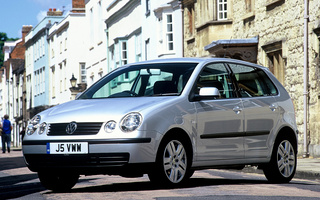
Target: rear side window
252,82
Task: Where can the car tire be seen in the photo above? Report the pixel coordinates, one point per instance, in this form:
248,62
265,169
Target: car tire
172,164
58,182
283,163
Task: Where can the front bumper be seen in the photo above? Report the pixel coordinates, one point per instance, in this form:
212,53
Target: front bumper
105,156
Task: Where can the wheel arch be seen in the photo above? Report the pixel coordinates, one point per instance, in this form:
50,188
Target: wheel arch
287,131
180,133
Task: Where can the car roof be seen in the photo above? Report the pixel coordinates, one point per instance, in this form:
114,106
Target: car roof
196,60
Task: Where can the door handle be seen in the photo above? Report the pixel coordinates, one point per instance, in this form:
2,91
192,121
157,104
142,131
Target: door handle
273,107
237,109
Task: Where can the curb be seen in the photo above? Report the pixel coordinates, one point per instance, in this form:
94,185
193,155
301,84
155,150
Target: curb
299,173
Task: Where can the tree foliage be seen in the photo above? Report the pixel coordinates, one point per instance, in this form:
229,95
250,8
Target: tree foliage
3,39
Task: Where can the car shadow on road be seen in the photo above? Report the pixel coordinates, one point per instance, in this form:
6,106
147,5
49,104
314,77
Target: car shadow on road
146,185
11,163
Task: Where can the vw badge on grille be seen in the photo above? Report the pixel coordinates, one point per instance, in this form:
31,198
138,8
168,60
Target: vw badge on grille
71,128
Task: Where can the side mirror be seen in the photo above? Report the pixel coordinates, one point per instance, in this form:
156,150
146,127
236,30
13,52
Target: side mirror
207,93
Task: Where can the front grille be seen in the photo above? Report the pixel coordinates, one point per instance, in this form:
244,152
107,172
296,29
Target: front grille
82,129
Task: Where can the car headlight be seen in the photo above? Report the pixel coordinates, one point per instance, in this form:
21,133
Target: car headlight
131,122
33,124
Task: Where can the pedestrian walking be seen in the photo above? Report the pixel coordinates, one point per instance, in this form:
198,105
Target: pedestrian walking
6,134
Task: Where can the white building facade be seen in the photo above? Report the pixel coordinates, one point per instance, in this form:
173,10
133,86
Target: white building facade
67,55
162,32
139,30
37,64
96,45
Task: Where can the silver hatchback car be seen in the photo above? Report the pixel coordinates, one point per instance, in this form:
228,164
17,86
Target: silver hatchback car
167,118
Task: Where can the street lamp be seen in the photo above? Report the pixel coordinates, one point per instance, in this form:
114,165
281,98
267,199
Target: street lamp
73,81
76,88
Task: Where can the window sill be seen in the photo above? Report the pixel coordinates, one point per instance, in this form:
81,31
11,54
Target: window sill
248,16
190,40
274,3
166,54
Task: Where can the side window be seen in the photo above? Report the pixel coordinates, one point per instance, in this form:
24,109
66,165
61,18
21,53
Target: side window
216,75
252,81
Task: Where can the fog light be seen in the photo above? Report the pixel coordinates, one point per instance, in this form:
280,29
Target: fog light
110,126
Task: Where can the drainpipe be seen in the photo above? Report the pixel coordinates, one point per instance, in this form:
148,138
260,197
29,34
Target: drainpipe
305,80
182,27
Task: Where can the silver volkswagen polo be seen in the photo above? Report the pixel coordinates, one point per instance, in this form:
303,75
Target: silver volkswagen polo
167,118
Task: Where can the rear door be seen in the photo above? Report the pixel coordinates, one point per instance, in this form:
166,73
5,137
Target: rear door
260,108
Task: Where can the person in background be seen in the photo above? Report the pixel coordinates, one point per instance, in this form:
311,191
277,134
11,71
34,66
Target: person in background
22,132
6,134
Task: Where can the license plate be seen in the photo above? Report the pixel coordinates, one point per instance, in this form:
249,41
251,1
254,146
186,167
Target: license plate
67,148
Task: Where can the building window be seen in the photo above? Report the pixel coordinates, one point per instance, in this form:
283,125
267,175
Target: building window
65,44
100,23
53,84
147,7
83,72
276,65
138,47
100,73
147,49
222,9
61,74
64,75
317,50
169,33
124,56
91,26
190,24
275,60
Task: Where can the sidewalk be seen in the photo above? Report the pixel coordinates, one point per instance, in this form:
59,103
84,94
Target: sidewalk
307,168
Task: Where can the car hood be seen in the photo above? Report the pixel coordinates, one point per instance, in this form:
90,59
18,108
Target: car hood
101,110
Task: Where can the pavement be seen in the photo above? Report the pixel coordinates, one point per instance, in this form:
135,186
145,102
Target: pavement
307,168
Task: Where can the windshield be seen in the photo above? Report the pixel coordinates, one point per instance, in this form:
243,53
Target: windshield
142,80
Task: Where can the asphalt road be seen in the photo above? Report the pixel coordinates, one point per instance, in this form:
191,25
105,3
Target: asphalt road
17,182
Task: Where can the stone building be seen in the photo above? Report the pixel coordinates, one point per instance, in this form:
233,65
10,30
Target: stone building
269,33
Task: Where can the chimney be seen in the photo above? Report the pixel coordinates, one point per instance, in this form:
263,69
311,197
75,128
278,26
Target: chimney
78,6
54,12
25,30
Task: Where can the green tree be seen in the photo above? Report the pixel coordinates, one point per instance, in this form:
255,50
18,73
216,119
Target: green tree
3,39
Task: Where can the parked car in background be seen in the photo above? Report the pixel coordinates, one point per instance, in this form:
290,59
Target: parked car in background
167,118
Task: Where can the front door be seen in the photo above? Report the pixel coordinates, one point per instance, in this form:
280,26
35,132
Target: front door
220,121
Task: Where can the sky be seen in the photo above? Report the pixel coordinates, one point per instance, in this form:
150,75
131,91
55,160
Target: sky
16,13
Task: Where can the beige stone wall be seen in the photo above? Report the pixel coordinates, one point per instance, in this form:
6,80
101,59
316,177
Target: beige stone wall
284,21
273,21
205,28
